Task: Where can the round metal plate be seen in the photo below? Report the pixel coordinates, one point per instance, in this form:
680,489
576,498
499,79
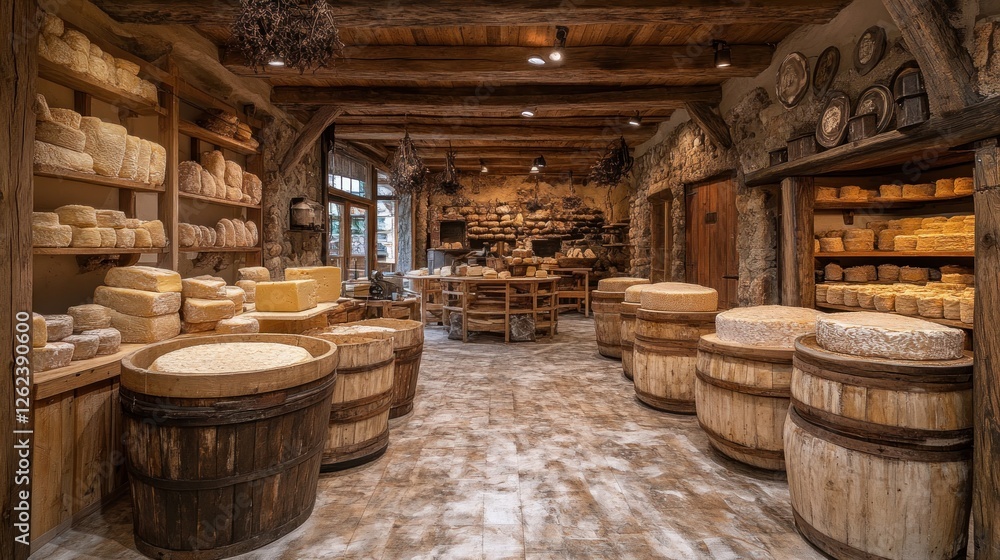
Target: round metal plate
877,100
832,126
792,80
827,66
869,50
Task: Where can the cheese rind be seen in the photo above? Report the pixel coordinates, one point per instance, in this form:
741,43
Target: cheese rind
77,215
633,293
51,236
110,340
111,219
138,303
146,278
238,325
58,327
204,288
766,325
328,279
888,336
39,333
89,317
679,297
288,296
230,357
249,288
146,330
84,345
237,296
51,356
197,310
619,284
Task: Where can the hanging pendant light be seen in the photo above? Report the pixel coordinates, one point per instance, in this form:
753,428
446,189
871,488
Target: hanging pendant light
723,54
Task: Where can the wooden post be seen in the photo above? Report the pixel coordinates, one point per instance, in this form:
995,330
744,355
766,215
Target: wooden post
986,388
798,281
19,25
711,123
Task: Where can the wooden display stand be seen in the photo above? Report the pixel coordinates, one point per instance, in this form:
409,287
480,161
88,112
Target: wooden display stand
487,305
578,291
428,290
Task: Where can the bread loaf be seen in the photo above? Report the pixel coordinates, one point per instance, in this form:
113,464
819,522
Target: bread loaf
207,236
189,177
215,163
240,232
208,187
186,235
59,157
220,235
253,186
254,234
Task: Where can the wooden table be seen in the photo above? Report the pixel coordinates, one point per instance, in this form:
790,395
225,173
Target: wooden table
426,287
580,290
484,302
293,322
378,308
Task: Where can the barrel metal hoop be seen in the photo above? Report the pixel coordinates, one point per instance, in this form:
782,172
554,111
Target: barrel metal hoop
838,549
875,445
681,348
738,353
378,442
775,454
784,393
367,367
665,404
361,409
924,383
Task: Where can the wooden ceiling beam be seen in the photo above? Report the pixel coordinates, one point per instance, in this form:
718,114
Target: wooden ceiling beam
445,13
713,125
591,121
472,102
309,135
523,133
508,65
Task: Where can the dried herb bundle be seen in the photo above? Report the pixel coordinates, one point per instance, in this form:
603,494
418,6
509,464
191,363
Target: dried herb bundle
301,34
407,173
447,181
614,165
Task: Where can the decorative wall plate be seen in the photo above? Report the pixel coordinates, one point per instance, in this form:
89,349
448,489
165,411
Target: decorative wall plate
877,100
792,80
827,66
832,126
869,50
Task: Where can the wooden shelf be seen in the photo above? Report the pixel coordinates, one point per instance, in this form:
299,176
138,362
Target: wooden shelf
218,201
191,129
85,83
945,322
293,315
896,254
94,179
218,249
885,203
96,251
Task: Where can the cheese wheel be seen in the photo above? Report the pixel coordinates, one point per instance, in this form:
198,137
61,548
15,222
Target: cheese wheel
888,272
125,238
204,287
885,302
831,245
238,325
109,340
51,356
891,191
111,219
679,297
77,215
887,336
230,357
821,290
58,327
633,293
142,238
835,294
89,237
138,303
51,236
619,284
39,333
106,144
89,317
84,345
157,234
108,237
130,161
766,325
905,243
967,309
249,288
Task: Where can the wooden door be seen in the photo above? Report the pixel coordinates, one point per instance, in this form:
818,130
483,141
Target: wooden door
710,241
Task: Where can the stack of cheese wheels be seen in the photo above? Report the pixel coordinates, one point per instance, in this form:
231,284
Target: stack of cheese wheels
359,417
744,379
627,330
408,347
672,317
606,302
224,423
880,401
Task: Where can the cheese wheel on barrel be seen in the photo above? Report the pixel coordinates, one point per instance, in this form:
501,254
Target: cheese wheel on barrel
230,357
619,284
633,294
766,325
888,336
679,297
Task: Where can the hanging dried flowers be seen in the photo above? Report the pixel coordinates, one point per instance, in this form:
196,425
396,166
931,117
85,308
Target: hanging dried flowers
407,173
614,165
447,181
298,34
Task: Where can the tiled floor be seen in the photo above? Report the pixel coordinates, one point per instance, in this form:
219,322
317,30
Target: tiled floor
524,451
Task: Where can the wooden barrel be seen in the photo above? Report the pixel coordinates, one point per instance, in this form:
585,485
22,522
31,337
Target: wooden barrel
607,321
666,355
221,464
742,396
362,395
627,336
879,454
408,346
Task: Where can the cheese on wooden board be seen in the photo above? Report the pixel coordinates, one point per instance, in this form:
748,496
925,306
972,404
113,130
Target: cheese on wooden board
157,235
230,357
146,330
77,215
138,303
84,345
39,333
51,356
106,144
831,245
634,293
89,317
44,219
679,297
190,328
288,296
835,294
142,161
967,309
89,237
766,325
197,310
952,307
58,327
130,162
204,287
125,238
237,296
157,164
238,325
110,218
58,134
619,284
328,279
41,107
888,336
51,236
146,278
254,273
108,236
110,340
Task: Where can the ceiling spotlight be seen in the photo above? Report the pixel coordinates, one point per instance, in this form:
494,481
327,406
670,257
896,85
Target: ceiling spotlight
528,113
557,51
534,169
636,120
539,162
482,167
276,62
723,54
536,60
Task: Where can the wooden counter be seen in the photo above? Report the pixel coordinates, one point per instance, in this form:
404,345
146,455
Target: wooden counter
487,304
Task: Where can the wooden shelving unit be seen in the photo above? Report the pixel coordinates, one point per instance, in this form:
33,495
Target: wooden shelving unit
96,251
86,84
194,131
218,201
219,249
487,305
887,203
897,255
50,172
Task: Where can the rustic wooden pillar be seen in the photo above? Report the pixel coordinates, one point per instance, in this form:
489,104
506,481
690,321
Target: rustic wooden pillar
798,280
986,388
19,24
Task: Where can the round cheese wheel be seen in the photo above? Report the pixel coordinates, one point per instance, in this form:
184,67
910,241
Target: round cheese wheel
619,284
230,357
679,297
632,293
888,336
766,325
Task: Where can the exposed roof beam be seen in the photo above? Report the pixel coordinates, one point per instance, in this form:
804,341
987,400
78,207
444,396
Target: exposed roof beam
590,122
508,65
714,126
523,133
309,135
472,102
440,13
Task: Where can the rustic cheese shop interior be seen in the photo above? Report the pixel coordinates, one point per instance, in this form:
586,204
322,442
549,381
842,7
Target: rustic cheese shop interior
303,279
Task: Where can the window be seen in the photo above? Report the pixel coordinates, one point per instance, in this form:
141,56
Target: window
349,175
386,227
